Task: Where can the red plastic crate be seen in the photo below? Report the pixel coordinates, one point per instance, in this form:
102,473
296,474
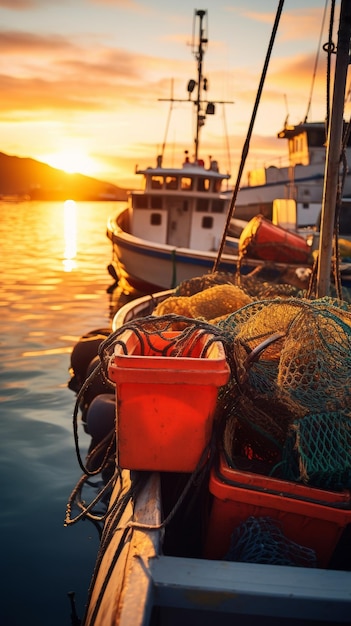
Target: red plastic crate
165,404
314,518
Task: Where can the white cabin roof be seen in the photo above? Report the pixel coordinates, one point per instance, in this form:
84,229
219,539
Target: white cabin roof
187,169
183,171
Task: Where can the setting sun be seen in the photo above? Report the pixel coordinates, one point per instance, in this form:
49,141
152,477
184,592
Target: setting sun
72,161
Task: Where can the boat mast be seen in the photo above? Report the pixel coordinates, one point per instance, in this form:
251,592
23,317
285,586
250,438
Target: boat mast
200,84
200,118
334,143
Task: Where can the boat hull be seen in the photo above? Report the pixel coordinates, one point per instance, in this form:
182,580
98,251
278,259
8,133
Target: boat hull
150,267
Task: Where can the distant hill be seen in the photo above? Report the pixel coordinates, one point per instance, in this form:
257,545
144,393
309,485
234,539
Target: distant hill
28,177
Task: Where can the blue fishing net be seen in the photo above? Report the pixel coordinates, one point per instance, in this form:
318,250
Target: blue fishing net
261,540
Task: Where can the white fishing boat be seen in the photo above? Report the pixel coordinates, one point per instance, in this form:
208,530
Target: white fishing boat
171,229
225,457
300,180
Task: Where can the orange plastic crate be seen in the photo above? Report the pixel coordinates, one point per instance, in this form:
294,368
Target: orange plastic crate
314,518
165,404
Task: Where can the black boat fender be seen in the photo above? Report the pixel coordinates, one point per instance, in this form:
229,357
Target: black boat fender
85,350
100,416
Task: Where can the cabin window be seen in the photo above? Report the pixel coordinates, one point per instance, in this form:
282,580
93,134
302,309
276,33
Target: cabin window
217,184
217,206
202,205
186,183
207,222
140,202
203,184
171,182
156,182
156,202
155,219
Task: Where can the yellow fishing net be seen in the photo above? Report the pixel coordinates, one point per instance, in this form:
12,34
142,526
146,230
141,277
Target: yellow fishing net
211,303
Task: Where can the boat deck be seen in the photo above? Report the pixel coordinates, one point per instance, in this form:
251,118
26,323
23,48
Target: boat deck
163,590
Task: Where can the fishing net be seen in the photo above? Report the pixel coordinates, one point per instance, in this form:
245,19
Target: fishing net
287,407
317,450
200,283
251,434
292,361
262,282
214,296
168,335
210,304
261,540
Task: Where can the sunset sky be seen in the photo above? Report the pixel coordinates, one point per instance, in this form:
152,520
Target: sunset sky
81,79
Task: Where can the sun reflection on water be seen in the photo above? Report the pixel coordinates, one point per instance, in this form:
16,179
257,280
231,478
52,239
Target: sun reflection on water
70,235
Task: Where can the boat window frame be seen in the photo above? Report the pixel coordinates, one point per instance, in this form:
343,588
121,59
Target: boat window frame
186,183
142,199
203,183
155,202
155,218
218,205
207,222
156,181
202,205
217,185
171,182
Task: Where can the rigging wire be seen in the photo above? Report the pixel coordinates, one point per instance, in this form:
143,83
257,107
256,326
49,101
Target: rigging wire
330,49
247,141
168,119
316,61
226,138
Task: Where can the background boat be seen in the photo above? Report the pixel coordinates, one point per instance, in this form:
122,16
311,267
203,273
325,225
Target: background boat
301,180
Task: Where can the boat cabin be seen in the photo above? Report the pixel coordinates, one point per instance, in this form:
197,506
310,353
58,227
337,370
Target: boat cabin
299,176
182,207
306,143
306,147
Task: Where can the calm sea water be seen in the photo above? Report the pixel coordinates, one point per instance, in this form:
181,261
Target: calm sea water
53,290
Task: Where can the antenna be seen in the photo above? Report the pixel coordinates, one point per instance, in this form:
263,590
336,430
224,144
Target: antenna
287,110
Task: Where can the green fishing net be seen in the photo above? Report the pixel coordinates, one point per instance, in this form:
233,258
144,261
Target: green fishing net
292,363
317,450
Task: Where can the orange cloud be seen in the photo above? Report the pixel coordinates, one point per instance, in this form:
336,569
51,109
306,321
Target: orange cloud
19,5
